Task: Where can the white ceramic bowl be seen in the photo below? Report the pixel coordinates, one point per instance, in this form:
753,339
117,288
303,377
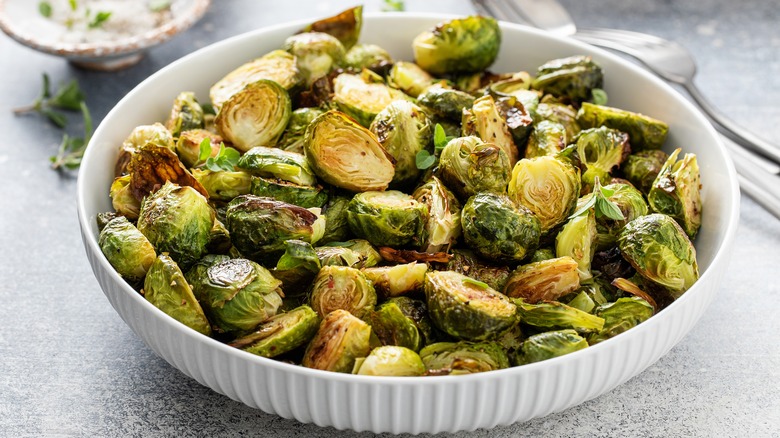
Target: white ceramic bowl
429,404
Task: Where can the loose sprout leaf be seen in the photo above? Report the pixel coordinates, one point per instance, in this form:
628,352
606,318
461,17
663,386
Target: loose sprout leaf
45,9
477,283
598,96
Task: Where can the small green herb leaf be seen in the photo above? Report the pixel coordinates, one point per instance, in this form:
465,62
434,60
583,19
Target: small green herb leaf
473,282
439,137
73,5
99,19
205,149
598,96
68,97
587,206
55,117
423,160
45,9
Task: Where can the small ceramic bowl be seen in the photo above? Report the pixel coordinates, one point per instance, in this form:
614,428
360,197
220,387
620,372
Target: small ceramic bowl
118,42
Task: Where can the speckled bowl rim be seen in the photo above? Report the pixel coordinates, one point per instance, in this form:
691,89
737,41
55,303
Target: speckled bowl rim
111,48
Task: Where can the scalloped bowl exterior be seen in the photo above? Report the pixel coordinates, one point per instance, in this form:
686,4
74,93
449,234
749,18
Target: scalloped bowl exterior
430,404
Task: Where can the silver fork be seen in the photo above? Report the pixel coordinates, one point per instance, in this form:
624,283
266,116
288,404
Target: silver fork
670,61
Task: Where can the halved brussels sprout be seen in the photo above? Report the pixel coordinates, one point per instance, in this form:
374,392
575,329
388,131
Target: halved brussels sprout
340,339
316,54
485,121
127,249
278,66
403,129
466,308
551,315
390,361
643,132
547,138
345,26
156,134
497,229
393,281
342,287
347,155
335,212
402,321
577,240
152,166
600,150
574,78
467,263
177,220
368,56
468,166
188,145
256,115
122,198
102,219
548,345
368,255
303,196
297,267
542,254
276,163
658,248
631,204
517,118
339,256
445,103
361,99
463,45
259,226
548,186
675,192
295,134
409,78
238,294
543,281
566,115
280,334
442,226
186,114
390,218
223,185
219,240
643,167
166,288
456,358
508,86
620,316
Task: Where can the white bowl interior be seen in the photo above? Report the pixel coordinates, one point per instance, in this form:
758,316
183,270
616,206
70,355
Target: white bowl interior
523,48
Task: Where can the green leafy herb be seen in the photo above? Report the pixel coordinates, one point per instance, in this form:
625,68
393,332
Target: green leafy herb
68,97
598,96
425,159
477,283
71,150
73,5
393,6
159,5
45,9
599,199
226,159
99,19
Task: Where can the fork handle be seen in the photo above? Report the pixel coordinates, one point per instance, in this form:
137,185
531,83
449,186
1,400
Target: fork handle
727,127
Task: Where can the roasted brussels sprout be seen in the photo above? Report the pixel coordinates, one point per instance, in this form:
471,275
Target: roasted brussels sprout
335,212
360,99
256,115
577,240
342,287
467,263
543,281
152,166
517,118
466,308
166,288
177,220
548,186
156,134
620,316
464,45
316,54
392,281
442,225
219,239
186,114
390,218
509,86
280,334
554,315
259,226
497,229
468,166
600,150
573,78
295,133
122,198
368,56
223,185
403,129
278,66
658,248
368,255
347,155
127,249
339,256
390,360
455,358
345,26
643,132
402,321
675,192
485,121
291,193
631,204
276,163
547,138
340,339
548,345
566,115
297,267
643,167
542,254
238,294
410,78
188,145
445,103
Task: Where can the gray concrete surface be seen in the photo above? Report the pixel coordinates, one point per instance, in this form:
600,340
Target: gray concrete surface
70,367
